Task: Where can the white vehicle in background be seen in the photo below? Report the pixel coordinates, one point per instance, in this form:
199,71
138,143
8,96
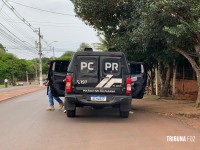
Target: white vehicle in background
20,84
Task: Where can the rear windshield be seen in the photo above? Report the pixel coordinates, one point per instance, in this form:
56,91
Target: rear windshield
136,68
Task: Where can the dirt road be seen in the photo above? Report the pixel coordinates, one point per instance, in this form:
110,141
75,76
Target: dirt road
181,110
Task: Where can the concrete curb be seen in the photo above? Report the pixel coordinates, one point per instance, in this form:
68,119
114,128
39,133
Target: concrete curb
14,93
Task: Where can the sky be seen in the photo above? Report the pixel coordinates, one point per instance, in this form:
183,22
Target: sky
63,31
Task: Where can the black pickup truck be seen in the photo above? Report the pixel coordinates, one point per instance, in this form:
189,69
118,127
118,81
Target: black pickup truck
96,79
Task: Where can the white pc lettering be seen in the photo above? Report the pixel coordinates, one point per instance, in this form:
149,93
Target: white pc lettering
113,66
87,65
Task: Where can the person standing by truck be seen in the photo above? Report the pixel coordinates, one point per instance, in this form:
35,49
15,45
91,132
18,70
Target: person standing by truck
51,93
6,82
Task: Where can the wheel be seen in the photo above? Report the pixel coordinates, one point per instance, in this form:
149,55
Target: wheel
124,114
71,113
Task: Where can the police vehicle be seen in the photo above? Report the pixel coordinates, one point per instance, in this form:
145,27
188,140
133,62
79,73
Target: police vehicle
96,79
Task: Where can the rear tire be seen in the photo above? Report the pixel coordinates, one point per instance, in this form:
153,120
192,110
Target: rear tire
124,114
71,113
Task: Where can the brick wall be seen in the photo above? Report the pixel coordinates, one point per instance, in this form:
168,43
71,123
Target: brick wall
186,89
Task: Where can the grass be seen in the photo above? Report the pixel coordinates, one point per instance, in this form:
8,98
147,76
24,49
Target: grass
3,86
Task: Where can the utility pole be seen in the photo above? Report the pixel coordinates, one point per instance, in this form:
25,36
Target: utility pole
36,73
13,76
40,59
53,54
27,76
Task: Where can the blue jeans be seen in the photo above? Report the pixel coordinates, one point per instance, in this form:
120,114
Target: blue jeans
51,97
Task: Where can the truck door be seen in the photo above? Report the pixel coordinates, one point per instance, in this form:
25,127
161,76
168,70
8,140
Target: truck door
139,79
87,74
59,71
111,75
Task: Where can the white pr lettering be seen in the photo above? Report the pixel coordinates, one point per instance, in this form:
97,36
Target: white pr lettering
107,65
115,66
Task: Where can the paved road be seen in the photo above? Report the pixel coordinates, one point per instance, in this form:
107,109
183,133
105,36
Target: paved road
25,125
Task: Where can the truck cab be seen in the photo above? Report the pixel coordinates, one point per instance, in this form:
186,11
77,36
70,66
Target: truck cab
96,79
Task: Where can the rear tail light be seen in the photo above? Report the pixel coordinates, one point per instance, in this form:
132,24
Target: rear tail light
128,85
68,87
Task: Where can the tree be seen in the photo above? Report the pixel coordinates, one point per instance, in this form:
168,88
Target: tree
32,69
44,65
67,55
105,16
102,46
83,46
177,23
12,68
2,48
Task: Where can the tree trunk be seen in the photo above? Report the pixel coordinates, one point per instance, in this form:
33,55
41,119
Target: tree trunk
164,72
166,86
198,99
174,79
156,82
152,87
198,95
160,74
151,76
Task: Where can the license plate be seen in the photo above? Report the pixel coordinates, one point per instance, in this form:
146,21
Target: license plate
98,98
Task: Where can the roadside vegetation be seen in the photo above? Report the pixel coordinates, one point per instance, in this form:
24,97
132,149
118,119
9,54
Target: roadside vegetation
2,86
16,70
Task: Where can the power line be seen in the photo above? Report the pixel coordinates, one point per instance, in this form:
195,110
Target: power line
14,38
11,43
19,16
55,50
60,26
1,8
53,23
17,39
17,28
42,9
22,53
6,42
14,41
35,30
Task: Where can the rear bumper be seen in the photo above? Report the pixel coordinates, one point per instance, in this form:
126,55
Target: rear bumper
111,100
